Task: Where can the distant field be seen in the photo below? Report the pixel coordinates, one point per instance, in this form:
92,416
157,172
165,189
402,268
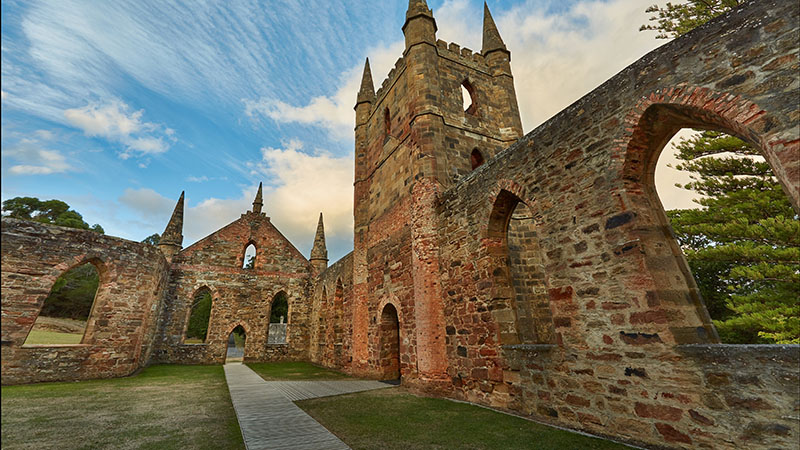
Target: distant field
52,337
55,330
163,407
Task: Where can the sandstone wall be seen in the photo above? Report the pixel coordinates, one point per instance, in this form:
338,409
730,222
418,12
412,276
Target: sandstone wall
331,328
239,296
622,300
124,318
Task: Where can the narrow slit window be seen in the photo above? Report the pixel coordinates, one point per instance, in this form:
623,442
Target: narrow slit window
476,159
468,97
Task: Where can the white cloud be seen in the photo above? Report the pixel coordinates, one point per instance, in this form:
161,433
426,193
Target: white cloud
32,157
301,186
334,113
3,95
114,121
307,185
149,203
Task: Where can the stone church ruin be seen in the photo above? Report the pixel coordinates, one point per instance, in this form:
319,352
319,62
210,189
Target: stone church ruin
533,273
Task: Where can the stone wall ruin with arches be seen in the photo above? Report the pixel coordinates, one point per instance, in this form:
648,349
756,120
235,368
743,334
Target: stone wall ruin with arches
544,281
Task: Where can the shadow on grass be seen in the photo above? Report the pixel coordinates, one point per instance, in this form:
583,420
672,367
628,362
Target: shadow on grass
394,419
295,371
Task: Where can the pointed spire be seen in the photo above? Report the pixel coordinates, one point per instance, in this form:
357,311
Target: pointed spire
424,28
367,92
258,203
416,8
172,238
319,252
491,37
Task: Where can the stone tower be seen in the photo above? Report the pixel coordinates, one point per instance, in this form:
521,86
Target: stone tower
415,138
172,238
319,252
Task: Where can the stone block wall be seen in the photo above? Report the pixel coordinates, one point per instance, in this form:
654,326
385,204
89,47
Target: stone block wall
124,318
331,324
622,301
239,296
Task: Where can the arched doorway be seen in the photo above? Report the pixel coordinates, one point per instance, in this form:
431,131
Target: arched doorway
236,341
390,344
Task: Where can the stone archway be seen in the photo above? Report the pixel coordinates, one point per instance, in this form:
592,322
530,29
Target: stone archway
389,359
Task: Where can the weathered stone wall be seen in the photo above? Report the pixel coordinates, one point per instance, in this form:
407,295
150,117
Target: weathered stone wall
121,327
331,328
414,137
239,296
621,296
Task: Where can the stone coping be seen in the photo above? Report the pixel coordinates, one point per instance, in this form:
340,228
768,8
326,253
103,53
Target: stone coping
781,352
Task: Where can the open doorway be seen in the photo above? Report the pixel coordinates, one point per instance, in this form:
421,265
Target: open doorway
390,344
236,341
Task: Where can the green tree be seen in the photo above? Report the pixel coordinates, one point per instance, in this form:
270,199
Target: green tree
198,318
54,212
674,20
153,239
73,292
279,308
743,244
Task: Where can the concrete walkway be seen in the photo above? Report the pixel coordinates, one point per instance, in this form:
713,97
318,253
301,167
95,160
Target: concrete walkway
269,419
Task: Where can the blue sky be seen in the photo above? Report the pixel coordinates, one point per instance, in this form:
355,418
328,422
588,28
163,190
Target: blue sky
116,107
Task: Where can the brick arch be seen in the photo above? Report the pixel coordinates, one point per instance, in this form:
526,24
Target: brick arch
674,307
214,296
101,295
659,115
513,258
240,264
288,302
389,341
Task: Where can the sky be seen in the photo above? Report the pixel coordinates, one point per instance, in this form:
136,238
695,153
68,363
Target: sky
117,107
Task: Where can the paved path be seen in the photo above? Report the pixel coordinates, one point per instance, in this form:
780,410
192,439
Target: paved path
269,419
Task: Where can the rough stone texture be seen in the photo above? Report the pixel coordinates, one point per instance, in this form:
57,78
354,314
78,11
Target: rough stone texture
546,281
239,296
121,328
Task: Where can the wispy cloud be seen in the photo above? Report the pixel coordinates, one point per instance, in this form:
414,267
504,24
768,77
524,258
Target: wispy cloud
33,156
334,113
114,121
302,185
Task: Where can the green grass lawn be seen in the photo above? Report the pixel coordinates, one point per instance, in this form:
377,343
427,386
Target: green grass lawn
52,338
393,419
295,371
163,407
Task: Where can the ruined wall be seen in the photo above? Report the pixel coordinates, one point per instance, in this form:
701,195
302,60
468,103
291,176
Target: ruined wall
331,324
623,302
124,318
239,296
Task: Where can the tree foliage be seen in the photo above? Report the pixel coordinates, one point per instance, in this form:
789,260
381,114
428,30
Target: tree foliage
54,212
153,239
198,318
279,309
673,20
743,244
72,294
